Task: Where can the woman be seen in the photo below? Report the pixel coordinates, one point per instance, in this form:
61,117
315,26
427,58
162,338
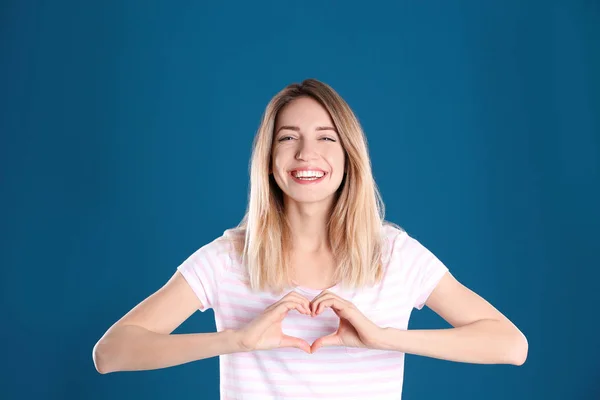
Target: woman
313,291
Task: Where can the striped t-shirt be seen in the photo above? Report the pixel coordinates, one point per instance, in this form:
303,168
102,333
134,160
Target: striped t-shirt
217,277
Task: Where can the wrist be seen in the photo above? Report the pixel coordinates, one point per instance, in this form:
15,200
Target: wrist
390,339
233,341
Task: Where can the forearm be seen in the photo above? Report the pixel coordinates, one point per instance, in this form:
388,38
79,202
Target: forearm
134,348
482,342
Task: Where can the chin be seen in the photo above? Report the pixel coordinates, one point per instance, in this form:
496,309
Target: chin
306,198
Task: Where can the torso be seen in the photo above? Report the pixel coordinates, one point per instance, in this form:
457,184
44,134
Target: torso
217,275
333,372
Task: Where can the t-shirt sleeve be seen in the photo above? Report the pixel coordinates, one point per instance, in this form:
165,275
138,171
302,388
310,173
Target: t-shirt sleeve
203,269
425,270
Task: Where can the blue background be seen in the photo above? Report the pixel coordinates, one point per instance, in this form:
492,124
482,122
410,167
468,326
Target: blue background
126,131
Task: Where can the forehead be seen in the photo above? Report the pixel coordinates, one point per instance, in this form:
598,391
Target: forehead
303,111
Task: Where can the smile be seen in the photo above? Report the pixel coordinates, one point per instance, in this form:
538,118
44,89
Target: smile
306,177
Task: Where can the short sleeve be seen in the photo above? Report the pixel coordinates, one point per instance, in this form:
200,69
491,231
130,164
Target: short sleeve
203,269
424,268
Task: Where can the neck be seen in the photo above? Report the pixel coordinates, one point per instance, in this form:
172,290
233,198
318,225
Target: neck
308,223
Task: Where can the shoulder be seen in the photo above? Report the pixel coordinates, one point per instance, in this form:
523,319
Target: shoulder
402,249
400,241
218,247
391,231
393,237
218,253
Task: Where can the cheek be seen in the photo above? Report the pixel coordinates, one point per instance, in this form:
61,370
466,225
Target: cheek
277,163
338,160
283,155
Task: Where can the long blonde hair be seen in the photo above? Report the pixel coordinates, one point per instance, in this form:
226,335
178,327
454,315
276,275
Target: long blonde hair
355,224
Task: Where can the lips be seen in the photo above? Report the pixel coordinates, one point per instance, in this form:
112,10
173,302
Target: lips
304,180
307,169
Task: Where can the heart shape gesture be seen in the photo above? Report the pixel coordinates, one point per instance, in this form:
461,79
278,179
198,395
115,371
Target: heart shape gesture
354,330
264,332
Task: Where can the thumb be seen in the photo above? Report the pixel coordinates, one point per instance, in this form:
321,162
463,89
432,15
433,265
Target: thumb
290,341
330,340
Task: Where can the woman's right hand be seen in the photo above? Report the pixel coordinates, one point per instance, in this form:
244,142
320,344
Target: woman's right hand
264,332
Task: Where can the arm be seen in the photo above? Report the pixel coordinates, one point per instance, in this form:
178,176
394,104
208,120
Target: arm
480,333
142,339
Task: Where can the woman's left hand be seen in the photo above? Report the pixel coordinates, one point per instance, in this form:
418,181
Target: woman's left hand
355,329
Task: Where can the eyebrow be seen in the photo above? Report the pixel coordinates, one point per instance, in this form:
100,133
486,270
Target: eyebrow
297,129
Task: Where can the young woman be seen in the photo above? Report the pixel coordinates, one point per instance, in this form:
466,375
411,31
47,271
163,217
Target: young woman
313,291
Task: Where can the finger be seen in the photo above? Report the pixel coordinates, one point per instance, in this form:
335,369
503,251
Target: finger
297,297
340,307
326,341
277,312
347,311
283,308
274,313
303,300
317,307
322,296
304,306
333,303
304,303
291,341
315,302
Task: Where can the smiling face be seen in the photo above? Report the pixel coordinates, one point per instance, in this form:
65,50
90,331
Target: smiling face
307,155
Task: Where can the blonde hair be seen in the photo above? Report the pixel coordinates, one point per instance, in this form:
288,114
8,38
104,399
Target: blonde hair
355,225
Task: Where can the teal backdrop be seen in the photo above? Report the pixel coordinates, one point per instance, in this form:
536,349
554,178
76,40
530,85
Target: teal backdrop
126,130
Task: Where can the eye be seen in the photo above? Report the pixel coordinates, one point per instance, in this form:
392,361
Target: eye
285,138
328,138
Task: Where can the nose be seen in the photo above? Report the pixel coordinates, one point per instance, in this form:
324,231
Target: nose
306,150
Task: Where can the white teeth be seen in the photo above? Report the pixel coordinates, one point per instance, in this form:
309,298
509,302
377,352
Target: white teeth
308,174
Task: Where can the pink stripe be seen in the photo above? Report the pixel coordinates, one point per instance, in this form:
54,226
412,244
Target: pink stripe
354,370
375,357
236,282
202,272
298,381
388,297
247,295
322,350
328,325
254,312
290,394
400,319
320,329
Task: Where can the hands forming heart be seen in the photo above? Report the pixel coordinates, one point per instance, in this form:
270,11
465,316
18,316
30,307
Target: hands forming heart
354,330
